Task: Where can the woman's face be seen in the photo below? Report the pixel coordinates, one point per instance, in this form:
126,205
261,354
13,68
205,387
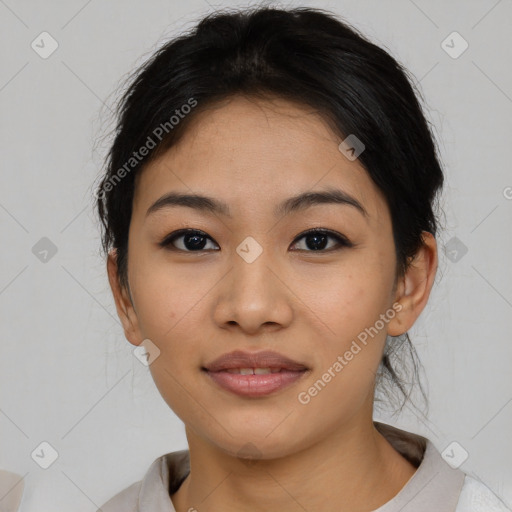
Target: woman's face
251,282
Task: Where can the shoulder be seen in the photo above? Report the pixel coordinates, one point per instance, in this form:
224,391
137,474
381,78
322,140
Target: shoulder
163,477
436,485
124,501
477,497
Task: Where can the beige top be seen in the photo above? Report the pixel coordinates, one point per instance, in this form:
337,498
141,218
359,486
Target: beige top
435,486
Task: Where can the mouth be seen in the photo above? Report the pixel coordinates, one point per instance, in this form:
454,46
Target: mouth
254,371
254,375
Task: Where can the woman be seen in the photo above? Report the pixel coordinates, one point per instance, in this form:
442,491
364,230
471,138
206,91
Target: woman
268,214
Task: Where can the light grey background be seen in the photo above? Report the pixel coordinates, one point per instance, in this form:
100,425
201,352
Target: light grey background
68,376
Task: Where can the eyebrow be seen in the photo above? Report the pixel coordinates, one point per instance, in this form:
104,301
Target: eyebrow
292,204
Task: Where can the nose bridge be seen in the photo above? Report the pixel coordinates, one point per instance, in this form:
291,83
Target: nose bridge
252,295
251,274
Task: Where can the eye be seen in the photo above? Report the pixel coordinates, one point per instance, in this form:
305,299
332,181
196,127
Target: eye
317,240
193,240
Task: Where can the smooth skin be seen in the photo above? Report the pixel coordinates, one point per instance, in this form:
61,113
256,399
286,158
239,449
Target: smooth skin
306,304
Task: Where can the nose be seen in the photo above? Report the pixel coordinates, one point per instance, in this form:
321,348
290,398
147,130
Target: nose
254,297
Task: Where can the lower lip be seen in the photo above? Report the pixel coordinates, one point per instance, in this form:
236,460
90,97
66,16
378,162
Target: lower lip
255,385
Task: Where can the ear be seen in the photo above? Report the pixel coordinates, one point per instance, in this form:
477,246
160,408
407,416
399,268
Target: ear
124,305
413,289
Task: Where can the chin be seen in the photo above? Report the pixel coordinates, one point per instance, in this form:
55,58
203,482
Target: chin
252,444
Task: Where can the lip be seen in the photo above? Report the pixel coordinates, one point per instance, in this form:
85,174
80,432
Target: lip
254,386
265,359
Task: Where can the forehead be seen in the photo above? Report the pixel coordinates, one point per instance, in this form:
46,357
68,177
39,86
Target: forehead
253,154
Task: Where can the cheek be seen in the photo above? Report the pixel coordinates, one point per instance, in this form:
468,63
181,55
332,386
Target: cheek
351,348
349,358
353,301
167,315
164,298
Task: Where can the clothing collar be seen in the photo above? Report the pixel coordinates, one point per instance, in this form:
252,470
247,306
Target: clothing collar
434,486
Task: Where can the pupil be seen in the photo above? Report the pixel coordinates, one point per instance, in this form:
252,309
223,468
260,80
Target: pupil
317,245
194,245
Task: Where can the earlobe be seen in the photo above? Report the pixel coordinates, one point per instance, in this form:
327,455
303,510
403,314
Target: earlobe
413,288
123,302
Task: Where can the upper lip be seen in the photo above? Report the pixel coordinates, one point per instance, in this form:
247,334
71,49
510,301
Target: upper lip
265,359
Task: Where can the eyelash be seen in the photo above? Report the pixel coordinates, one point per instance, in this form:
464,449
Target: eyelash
342,240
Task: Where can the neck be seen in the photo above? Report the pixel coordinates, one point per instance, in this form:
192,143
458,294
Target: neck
353,469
